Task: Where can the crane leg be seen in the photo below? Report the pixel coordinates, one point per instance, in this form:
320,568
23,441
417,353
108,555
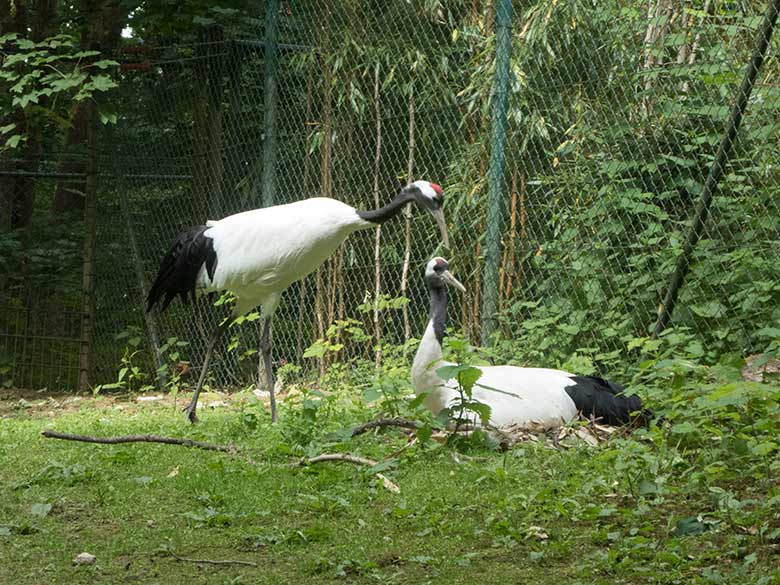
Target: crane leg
190,410
265,348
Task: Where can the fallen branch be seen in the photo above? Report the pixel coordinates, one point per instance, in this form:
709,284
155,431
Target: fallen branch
212,562
138,439
337,457
389,485
385,422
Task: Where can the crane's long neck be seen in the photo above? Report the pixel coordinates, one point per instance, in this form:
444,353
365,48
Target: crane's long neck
381,215
429,351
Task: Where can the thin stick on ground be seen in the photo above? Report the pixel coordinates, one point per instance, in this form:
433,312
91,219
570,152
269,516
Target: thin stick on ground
386,482
138,439
212,562
385,422
337,457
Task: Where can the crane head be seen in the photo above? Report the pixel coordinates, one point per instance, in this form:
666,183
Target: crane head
437,275
430,197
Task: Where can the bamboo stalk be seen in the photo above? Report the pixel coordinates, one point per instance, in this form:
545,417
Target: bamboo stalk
695,48
408,219
477,289
318,309
523,232
325,166
306,188
507,265
378,232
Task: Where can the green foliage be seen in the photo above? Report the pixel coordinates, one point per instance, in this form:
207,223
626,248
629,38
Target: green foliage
658,505
338,332
132,377
46,78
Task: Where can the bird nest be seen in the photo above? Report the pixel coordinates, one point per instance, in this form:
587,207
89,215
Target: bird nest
565,437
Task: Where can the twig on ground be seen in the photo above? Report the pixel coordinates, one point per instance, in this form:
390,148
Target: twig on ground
139,439
337,457
385,422
403,448
351,459
212,562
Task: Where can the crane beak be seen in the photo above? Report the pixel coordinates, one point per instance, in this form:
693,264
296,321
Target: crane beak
447,277
438,215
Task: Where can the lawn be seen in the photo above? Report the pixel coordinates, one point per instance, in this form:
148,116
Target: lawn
656,507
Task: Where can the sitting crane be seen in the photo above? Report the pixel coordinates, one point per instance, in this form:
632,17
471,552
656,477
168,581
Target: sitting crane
257,254
526,398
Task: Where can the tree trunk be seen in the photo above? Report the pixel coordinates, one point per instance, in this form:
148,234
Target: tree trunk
208,166
88,270
101,32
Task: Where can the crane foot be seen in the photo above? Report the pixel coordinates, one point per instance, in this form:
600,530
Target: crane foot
190,410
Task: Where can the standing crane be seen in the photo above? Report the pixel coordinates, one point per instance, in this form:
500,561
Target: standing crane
528,398
257,254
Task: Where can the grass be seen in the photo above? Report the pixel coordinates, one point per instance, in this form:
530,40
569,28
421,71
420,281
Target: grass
532,514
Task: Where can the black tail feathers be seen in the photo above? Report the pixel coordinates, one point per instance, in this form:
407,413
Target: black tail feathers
178,273
606,401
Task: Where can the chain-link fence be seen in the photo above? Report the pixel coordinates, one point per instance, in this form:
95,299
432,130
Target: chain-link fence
615,112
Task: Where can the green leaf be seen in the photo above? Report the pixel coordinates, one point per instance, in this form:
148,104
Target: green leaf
417,400
709,309
105,64
13,141
316,349
647,487
102,83
384,465
203,21
70,81
689,526
482,409
764,448
40,510
424,433
371,394
466,375
107,117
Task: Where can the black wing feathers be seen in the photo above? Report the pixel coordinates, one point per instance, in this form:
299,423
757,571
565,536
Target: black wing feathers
606,401
179,268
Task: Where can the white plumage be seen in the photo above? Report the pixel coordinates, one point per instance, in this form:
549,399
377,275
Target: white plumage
529,398
257,264
257,254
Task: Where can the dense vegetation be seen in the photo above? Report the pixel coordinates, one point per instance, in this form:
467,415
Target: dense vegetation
614,115
615,112
694,500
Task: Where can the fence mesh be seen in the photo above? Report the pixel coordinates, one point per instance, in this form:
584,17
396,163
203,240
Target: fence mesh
615,113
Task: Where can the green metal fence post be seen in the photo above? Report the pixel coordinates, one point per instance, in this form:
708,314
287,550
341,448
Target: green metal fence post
718,165
496,170
269,101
